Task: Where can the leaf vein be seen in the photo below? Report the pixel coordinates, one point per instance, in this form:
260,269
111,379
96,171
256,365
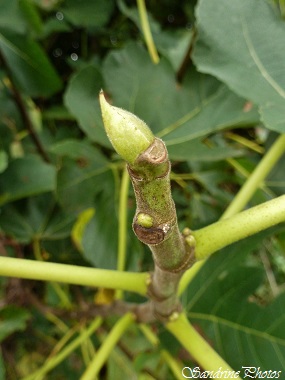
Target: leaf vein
258,63
250,331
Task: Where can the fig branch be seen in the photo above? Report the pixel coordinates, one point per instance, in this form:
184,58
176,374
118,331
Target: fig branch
155,224
155,221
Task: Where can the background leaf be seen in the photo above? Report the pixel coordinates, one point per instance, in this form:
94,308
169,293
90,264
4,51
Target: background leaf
200,106
32,15
12,319
221,302
197,150
36,218
84,13
25,177
172,45
100,237
61,53
231,47
3,161
79,179
11,16
81,98
29,64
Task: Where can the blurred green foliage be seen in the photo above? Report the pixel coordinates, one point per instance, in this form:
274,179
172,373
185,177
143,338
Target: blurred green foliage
216,98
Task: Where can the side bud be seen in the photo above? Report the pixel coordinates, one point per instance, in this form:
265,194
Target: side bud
129,135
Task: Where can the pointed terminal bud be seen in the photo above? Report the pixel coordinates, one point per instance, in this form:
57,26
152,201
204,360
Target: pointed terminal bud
129,135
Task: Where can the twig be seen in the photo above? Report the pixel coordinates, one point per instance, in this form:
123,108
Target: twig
258,175
211,238
147,31
155,222
143,312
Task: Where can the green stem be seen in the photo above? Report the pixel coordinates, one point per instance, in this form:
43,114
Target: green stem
37,249
256,178
189,275
155,224
71,274
172,362
62,295
123,214
155,221
197,346
149,334
213,237
122,232
244,195
54,361
147,32
108,345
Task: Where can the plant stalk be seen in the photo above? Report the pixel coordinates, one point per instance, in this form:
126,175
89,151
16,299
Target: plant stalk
65,352
172,362
64,299
249,222
244,195
147,32
122,231
46,271
123,214
155,224
104,351
189,275
256,178
198,347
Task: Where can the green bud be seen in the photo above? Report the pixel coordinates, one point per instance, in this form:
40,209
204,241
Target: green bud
129,135
186,231
191,241
144,220
174,316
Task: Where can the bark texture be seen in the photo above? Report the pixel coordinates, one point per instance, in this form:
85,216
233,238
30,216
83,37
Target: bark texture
155,221
155,224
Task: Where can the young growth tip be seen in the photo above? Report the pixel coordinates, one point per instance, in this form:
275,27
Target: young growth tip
129,135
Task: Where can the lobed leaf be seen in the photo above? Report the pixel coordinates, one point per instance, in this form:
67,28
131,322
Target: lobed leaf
79,178
99,240
25,177
219,301
29,64
231,47
11,16
81,98
36,217
200,106
87,13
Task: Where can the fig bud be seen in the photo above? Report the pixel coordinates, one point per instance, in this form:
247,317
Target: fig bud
129,135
